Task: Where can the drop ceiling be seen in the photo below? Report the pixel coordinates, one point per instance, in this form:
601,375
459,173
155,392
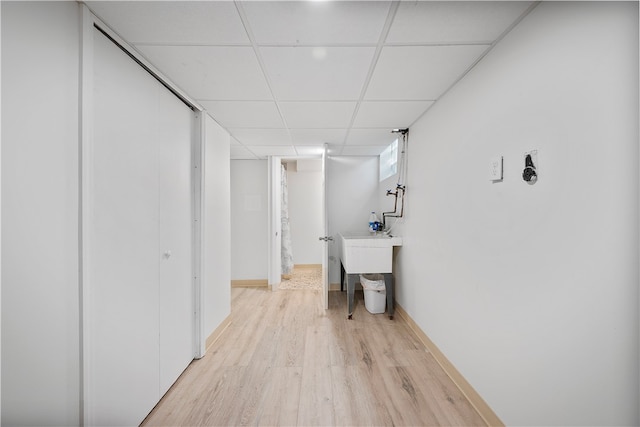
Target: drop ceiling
286,77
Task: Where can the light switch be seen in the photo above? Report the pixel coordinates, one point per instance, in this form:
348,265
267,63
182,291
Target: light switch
495,169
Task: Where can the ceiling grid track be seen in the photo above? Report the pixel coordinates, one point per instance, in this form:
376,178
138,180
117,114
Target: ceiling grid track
393,8
256,51
284,77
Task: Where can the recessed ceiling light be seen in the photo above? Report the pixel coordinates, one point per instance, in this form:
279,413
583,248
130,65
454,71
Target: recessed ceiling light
319,53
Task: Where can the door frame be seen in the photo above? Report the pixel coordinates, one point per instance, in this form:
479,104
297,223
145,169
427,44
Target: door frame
274,221
274,225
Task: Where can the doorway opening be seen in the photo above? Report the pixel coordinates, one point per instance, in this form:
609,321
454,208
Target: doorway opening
304,276
301,199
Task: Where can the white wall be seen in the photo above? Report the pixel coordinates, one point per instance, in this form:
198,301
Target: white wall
532,291
40,325
249,219
0,215
352,193
217,234
305,214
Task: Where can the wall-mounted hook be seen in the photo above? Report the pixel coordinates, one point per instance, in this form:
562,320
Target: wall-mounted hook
530,172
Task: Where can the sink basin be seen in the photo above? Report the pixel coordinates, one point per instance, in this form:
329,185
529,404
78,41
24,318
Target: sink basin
368,253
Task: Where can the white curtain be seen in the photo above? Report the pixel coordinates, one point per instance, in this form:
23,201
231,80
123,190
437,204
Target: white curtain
287,253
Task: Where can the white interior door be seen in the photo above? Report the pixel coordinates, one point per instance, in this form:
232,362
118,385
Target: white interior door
123,235
137,256
325,222
174,225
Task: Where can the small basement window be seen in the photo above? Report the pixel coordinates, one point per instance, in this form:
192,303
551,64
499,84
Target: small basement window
389,161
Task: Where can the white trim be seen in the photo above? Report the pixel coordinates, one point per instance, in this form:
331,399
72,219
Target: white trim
274,223
326,286
85,148
0,211
198,179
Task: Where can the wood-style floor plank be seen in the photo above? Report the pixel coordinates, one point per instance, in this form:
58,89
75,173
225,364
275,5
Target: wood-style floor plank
285,361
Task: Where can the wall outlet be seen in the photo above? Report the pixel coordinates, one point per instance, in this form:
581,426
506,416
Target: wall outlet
495,169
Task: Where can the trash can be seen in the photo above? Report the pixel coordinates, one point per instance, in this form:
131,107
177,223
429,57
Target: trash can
375,294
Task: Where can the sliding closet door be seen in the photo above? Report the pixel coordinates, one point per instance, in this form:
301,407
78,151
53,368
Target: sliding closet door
176,302
138,254
123,269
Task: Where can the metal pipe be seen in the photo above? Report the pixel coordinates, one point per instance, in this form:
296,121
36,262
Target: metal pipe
400,188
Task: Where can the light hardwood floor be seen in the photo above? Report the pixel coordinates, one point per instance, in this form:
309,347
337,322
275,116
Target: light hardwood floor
284,361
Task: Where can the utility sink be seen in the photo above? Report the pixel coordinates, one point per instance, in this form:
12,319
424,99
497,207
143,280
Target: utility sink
368,253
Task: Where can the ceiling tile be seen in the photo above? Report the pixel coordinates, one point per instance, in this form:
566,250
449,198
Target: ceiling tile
317,136
362,150
382,137
334,149
318,114
302,22
167,22
238,152
244,114
276,150
389,114
316,56
211,72
453,21
261,136
419,72
309,150
317,73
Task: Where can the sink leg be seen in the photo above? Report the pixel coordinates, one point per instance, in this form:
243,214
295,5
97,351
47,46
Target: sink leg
388,283
351,287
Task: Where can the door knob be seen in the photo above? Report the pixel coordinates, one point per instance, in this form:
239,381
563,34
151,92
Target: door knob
326,238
